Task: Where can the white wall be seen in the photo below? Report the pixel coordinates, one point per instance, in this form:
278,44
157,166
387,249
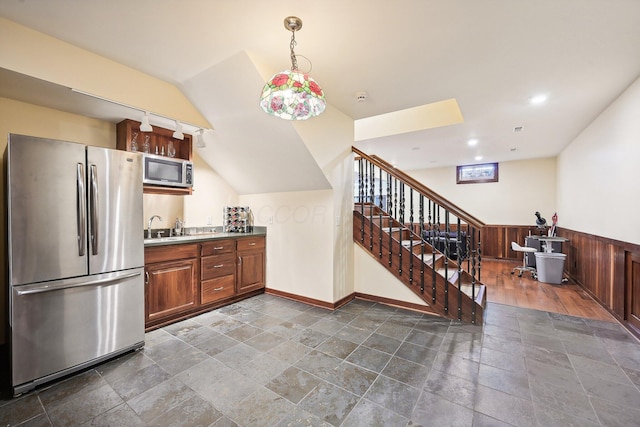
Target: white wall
524,187
210,195
299,240
598,173
374,279
329,138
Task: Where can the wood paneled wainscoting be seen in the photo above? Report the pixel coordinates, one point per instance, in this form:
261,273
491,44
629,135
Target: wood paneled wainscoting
609,270
496,240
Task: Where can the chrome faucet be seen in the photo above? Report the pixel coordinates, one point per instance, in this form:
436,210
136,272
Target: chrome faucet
149,225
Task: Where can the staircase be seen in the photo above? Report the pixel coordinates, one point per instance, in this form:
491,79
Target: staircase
426,242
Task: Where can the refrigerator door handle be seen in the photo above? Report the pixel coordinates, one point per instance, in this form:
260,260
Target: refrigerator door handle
81,210
93,207
30,290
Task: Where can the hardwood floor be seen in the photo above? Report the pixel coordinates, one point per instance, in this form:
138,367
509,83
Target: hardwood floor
569,298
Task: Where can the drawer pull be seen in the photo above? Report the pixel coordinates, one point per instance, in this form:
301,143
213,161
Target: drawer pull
219,289
252,244
217,248
218,266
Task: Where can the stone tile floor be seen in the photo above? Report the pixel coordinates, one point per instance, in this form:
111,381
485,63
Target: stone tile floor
268,361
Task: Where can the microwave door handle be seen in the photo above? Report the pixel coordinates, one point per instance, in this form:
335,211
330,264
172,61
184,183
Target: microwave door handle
81,210
93,200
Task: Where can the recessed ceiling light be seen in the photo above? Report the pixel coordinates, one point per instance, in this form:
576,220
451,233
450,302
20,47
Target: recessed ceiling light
538,99
472,142
478,158
518,129
513,149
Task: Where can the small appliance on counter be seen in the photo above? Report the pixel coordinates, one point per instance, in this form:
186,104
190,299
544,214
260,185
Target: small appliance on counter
237,219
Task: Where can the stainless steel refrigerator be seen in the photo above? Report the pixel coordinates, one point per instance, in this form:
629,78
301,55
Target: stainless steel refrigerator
75,256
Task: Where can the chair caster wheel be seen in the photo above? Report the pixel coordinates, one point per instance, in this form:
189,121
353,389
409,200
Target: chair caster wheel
512,272
520,275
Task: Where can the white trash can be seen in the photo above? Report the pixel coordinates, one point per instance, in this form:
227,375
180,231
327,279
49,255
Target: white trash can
549,267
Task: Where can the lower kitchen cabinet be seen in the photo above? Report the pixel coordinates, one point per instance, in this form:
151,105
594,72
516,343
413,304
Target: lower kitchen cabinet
186,279
251,263
171,283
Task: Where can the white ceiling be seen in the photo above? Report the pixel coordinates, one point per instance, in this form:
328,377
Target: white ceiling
491,56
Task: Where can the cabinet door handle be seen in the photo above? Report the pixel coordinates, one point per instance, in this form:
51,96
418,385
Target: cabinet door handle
218,266
217,248
219,289
146,277
252,244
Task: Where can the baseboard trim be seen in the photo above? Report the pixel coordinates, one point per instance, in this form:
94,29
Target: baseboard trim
395,303
302,299
355,295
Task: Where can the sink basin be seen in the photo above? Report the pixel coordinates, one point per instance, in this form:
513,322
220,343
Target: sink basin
171,239
178,238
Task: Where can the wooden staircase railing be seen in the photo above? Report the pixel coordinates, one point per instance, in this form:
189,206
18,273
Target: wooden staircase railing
427,242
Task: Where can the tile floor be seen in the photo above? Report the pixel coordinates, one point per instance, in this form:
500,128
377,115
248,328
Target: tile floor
268,361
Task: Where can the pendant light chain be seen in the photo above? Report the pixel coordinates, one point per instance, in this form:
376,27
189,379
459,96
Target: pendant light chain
294,61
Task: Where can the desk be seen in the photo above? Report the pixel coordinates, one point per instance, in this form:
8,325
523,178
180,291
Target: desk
536,242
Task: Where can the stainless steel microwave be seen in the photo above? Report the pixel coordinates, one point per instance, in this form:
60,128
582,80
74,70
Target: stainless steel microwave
167,171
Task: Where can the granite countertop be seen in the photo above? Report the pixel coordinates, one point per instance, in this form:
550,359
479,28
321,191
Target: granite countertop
203,237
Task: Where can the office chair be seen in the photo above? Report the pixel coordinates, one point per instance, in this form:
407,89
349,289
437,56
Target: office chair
524,249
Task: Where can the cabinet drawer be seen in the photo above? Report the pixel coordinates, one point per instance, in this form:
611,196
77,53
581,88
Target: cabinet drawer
217,265
169,253
250,243
217,289
218,247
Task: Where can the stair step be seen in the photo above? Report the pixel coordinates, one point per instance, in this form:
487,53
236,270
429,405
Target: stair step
393,229
480,290
408,243
453,274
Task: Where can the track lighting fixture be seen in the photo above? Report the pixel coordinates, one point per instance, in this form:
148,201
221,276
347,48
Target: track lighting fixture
200,142
145,126
178,133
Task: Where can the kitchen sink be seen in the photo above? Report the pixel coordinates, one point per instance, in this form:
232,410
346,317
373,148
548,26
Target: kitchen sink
179,238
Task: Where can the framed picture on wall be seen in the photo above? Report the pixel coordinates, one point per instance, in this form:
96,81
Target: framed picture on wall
473,174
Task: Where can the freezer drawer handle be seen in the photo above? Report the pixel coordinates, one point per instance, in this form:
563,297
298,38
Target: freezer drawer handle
99,282
81,210
93,200
218,266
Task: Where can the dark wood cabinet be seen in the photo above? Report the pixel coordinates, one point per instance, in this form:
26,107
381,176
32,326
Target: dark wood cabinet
171,283
186,279
251,264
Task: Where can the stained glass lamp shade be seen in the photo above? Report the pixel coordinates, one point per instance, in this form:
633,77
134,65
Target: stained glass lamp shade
291,94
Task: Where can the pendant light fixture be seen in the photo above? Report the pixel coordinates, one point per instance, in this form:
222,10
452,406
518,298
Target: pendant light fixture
291,94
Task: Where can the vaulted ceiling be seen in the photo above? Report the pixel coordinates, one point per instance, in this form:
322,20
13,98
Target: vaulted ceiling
491,56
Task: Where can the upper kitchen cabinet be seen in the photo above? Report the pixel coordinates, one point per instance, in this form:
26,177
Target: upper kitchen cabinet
161,142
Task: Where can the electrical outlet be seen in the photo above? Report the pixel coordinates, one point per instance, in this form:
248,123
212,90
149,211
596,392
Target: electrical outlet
270,220
209,221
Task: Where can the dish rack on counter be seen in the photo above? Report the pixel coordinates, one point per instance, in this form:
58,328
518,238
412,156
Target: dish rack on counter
237,219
